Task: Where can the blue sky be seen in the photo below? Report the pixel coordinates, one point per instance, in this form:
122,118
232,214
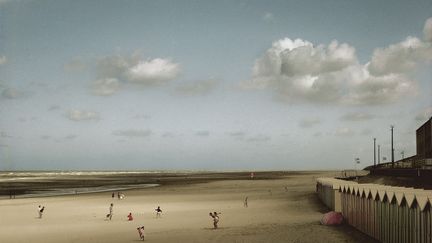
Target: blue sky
210,84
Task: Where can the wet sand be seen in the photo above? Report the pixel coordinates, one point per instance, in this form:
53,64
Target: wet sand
274,213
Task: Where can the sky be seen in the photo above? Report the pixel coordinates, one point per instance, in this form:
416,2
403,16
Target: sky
211,85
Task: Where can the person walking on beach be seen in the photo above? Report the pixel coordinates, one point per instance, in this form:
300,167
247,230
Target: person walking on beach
215,217
112,195
158,212
141,232
245,202
110,211
41,210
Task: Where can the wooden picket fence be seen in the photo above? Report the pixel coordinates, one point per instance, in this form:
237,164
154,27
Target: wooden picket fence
386,213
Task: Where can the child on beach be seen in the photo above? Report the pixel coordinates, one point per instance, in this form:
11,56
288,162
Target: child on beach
130,218
141,232
110,211
158,212
40,210
215,217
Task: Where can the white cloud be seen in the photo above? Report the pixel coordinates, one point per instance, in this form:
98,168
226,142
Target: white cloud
202,133
3,134
259,138
299,57
70,137
75,65
344,132
168,135
317,134
298,71
114,70
106,86
375,90
357,116
366,132
115,66
238,135
309,122
45,137
427,30
402,57
153,71
132,133
82,115
54,108
268,17
424,115
197,88
11,93
3,60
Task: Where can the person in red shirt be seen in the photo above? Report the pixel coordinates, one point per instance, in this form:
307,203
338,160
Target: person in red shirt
130,217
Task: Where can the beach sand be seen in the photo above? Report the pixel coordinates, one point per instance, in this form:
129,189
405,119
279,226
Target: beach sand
274,214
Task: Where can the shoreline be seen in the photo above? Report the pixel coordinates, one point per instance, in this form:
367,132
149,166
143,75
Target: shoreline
39,183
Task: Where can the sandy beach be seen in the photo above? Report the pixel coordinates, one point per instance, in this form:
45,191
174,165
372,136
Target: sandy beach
284,209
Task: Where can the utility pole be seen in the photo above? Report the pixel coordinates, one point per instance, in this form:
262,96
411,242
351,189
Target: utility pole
374,152
392,149
379,148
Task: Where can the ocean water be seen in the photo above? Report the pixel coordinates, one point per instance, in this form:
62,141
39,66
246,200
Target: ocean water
24,184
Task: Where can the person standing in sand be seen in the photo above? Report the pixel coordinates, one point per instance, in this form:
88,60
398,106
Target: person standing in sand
40,210
141,232
110,211
130,217
245,202
215,217
158,212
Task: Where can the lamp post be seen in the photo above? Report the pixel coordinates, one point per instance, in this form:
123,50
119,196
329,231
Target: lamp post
379,159
356,161
374,152
392,149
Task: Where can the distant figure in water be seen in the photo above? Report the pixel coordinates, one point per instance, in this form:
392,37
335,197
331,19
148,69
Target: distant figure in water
215,217
110,211
141,232
130,217
245,202
118,195
158,212
41,210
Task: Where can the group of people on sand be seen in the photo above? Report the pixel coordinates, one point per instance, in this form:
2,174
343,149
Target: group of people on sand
215,215
129,216
120,195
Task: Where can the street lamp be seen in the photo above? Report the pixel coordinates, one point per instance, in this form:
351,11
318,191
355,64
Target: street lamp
356,161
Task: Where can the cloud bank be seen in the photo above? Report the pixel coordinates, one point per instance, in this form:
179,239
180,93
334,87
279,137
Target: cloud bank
82,115
300,71
114,71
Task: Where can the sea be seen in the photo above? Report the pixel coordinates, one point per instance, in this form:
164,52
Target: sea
25,184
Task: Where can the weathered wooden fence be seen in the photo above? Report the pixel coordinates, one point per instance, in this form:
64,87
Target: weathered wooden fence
388,214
